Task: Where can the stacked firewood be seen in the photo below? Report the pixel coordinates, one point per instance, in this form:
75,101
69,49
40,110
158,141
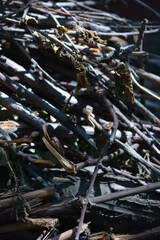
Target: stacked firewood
74,84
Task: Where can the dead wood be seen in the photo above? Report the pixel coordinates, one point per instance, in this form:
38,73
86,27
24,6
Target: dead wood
79,80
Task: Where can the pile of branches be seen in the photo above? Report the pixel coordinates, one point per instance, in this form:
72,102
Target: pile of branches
72,81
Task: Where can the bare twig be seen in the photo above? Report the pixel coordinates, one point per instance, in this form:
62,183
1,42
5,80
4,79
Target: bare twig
99,161
129,192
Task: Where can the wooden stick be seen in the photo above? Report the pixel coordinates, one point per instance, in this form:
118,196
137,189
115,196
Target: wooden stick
42,193
30,223
129,192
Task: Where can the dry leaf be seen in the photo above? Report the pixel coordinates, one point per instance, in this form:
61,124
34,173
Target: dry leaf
45,42
29,18
67,165
90,37
62,29
108,126
82,81
9,126
84,227
123,83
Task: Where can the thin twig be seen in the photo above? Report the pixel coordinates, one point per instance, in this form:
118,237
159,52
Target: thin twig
129,192
99,161
143,89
